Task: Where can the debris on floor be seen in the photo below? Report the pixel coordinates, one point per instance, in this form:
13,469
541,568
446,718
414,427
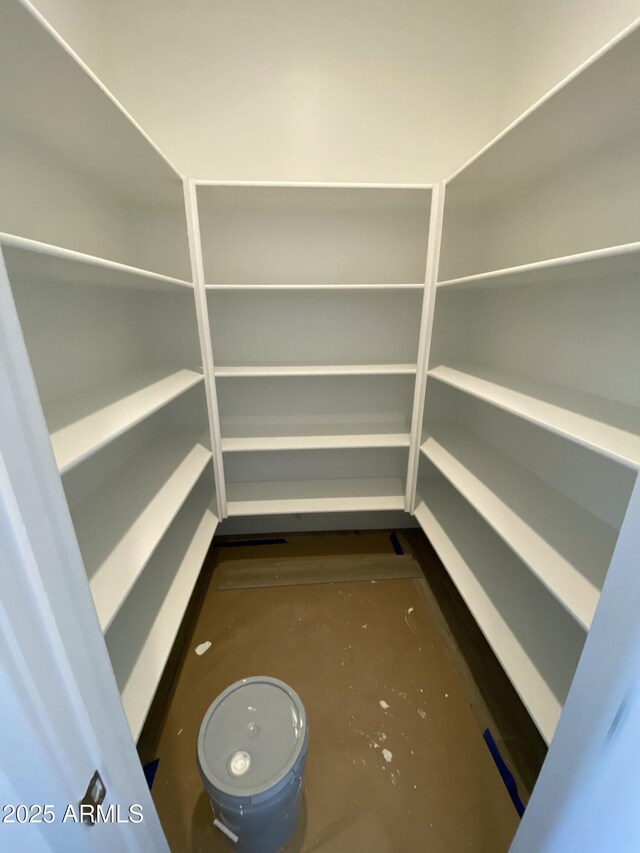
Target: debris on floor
440,780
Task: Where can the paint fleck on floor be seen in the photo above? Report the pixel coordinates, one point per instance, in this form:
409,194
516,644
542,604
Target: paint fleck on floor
396,760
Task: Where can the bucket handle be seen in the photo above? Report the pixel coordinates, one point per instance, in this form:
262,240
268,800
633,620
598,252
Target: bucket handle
226,830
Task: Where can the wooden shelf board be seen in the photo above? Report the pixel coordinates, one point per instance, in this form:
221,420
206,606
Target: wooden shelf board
534,639
120,525
240,371
311,496
35,261
139,647
604,265
606,426
564,545
80,424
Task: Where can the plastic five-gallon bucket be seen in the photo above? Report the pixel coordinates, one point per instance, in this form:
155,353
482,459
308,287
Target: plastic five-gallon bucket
252,749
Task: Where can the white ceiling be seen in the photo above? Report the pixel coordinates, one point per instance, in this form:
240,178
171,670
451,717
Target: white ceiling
331,90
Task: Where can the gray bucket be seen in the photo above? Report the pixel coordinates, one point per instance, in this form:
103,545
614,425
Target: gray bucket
252,748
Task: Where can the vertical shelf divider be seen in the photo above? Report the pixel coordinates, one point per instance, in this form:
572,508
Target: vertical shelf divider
436,215
204,331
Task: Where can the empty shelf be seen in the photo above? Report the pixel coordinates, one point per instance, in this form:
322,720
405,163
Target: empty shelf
82,423
278,234
604,265
350,436
564,545
239,371
120,525
266,287
309,496
102,139
31,260
607,426
584,113
141,638
534,639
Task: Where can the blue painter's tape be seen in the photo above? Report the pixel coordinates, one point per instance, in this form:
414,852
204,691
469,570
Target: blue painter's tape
150,771
245,543
503,770
397,547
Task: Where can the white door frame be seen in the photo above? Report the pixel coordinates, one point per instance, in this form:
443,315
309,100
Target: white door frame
587,798
62,717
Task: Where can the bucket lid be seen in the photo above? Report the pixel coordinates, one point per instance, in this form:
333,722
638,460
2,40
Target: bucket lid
252,736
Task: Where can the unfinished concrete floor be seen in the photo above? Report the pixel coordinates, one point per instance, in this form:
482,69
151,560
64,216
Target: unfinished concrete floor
396,761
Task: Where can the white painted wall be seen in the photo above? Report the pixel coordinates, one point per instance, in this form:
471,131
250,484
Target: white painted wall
545,40
346,90
82,24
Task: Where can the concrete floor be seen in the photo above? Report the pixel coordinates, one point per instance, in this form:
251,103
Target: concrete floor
371,667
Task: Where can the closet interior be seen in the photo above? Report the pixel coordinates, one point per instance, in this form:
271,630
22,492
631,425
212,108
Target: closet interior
205,350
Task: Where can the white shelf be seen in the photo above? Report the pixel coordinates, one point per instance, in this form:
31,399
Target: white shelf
602,265
82,423
537,190
252,288
141,638
76,170
102,136
310,496
583,113
609,427
564,545
240,371
270,234
312,185
120,525
31,260
534,639
333,436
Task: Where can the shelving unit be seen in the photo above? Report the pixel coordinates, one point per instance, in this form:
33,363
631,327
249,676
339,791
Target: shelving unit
93,235
612,264
533,637
537,191
604,425
66,138
83,423
140,638
306,234
530,432
296,413
108,345
564,545
322,283
312,480
313,496
122,522
312,327
31,259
